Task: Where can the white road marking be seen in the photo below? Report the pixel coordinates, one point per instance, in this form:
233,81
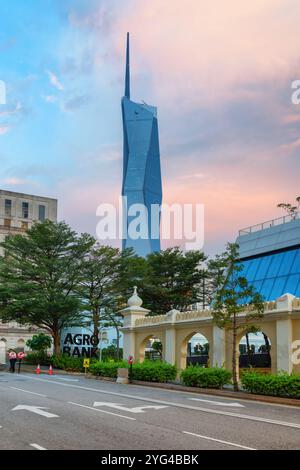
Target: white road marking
28,391
219,403
68,380
218,440
101,411
36,446
137,409
178,405
39,410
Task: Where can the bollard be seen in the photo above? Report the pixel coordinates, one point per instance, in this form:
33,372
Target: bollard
122,376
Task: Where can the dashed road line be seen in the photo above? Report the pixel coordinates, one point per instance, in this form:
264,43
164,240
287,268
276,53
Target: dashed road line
218,440
37,446
28,391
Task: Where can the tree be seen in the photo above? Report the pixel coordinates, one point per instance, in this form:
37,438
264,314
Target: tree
157,346
39,342
235,296
114,319
171,279
98,282
106,276
292,210
39,274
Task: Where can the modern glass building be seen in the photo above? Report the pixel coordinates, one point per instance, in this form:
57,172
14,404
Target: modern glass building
141,169
270,254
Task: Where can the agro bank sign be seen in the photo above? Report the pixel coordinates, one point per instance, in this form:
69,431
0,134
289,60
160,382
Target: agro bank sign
80,345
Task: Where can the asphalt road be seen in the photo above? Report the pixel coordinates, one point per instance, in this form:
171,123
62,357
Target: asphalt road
69,412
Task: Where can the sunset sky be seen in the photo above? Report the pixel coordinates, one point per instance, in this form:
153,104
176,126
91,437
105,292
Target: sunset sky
220,73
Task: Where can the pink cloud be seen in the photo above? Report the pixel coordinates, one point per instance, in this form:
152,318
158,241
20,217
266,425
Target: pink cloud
291,118
203,50
4,129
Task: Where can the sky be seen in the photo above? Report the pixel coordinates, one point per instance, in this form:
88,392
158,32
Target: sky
220,74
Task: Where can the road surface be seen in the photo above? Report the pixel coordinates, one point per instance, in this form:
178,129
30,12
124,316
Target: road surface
69,412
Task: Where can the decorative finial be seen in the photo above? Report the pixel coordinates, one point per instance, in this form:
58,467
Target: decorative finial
134,300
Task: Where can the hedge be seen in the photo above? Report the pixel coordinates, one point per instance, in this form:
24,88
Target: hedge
211,377
277,385
154,371
70,363
107,369
149,371
36,358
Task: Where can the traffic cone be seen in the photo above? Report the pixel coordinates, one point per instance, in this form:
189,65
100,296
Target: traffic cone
50,370
38,369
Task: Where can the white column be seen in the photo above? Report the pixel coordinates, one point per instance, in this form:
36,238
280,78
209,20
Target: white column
217,354
170,346
284,345
128,344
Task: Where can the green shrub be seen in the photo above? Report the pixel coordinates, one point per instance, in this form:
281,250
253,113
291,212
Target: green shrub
149,371
110,353
211,377
107,369
65,362
36,358
39,342
154,371
279,385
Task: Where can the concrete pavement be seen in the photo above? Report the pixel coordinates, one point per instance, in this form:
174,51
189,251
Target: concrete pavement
69,412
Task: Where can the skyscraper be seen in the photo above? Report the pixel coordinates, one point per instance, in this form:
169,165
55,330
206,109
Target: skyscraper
141,168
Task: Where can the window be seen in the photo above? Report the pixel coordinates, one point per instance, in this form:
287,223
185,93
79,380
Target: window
276,274
8,207
252,269
42,213
25,210
278,287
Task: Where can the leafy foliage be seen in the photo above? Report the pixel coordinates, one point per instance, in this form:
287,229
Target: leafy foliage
107,369
150,371
213,377
154,371
278,385
68,363
291,209
38,277
38,357
39,342
233,292
170,279
111,353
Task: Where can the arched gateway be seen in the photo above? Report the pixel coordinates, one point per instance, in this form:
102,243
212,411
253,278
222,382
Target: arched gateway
280,323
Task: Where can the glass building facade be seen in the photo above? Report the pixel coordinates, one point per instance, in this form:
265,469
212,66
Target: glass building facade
270,255
274,274
141,170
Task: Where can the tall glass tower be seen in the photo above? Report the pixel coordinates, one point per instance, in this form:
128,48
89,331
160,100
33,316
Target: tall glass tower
141,170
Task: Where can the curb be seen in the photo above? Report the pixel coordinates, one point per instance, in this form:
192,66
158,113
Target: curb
222,393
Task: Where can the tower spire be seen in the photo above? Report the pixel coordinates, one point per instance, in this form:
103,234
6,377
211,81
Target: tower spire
127,75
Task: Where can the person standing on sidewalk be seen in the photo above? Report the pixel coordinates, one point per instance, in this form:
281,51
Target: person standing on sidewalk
12,360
